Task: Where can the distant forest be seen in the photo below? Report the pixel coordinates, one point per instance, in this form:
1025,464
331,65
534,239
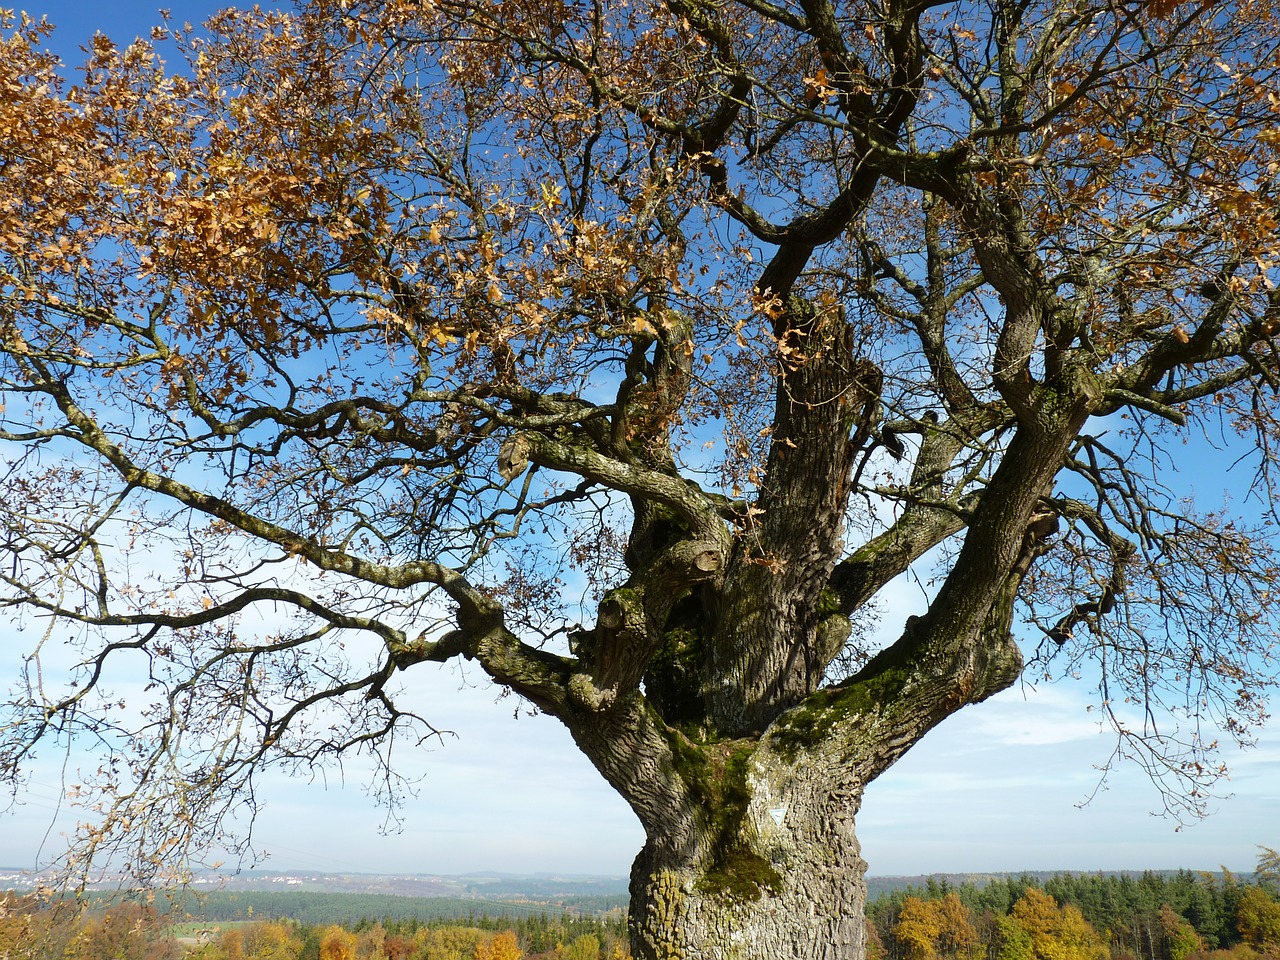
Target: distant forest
1152,916
317,907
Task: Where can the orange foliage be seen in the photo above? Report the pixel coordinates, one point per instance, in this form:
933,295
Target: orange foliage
336,943
928,929
501,946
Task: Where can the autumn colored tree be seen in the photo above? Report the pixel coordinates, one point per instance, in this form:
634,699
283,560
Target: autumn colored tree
929,929
371,943
398,947
583,947
28,932
1258,919
1057,932
232,944
337,943
503,946
1180,938
34,927
126,931
16,930
376,332
272,940
450,942
916,930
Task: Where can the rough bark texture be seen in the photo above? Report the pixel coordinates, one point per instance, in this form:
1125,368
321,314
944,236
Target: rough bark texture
773,869
813,909
752,851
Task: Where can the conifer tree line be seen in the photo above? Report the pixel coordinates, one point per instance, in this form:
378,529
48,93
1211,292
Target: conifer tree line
1154,916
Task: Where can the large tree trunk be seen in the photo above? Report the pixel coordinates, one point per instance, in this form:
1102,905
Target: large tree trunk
796,892
751,850
752,854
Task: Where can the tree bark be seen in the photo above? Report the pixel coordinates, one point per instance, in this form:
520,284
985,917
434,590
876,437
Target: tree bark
803,899
751,851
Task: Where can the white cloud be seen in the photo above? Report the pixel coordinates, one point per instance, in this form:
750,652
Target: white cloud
1032,716
1003,785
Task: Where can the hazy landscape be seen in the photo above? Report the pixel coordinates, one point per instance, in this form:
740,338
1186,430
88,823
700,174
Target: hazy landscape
282,915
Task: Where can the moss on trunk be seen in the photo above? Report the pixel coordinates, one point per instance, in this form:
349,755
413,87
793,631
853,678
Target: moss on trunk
811,724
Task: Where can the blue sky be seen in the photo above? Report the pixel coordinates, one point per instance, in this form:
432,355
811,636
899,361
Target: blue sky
996,788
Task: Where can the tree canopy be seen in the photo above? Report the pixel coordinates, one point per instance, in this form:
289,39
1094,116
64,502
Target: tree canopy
629,350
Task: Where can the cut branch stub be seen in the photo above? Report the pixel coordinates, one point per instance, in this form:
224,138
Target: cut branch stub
513,457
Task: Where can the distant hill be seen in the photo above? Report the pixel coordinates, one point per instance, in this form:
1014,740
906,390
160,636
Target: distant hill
348,897
337,897
484,885
319,907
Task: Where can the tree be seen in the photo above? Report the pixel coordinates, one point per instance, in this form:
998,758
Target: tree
24,928
1180,938
917,929
1258,919
232,944
584,947
273,940
1267,872
127,931
1056,932
371,943
366,338
933,928
337,943
1012,941
450,943
503,946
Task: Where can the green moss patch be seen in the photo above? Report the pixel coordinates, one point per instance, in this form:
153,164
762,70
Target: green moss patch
717,776
810,724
